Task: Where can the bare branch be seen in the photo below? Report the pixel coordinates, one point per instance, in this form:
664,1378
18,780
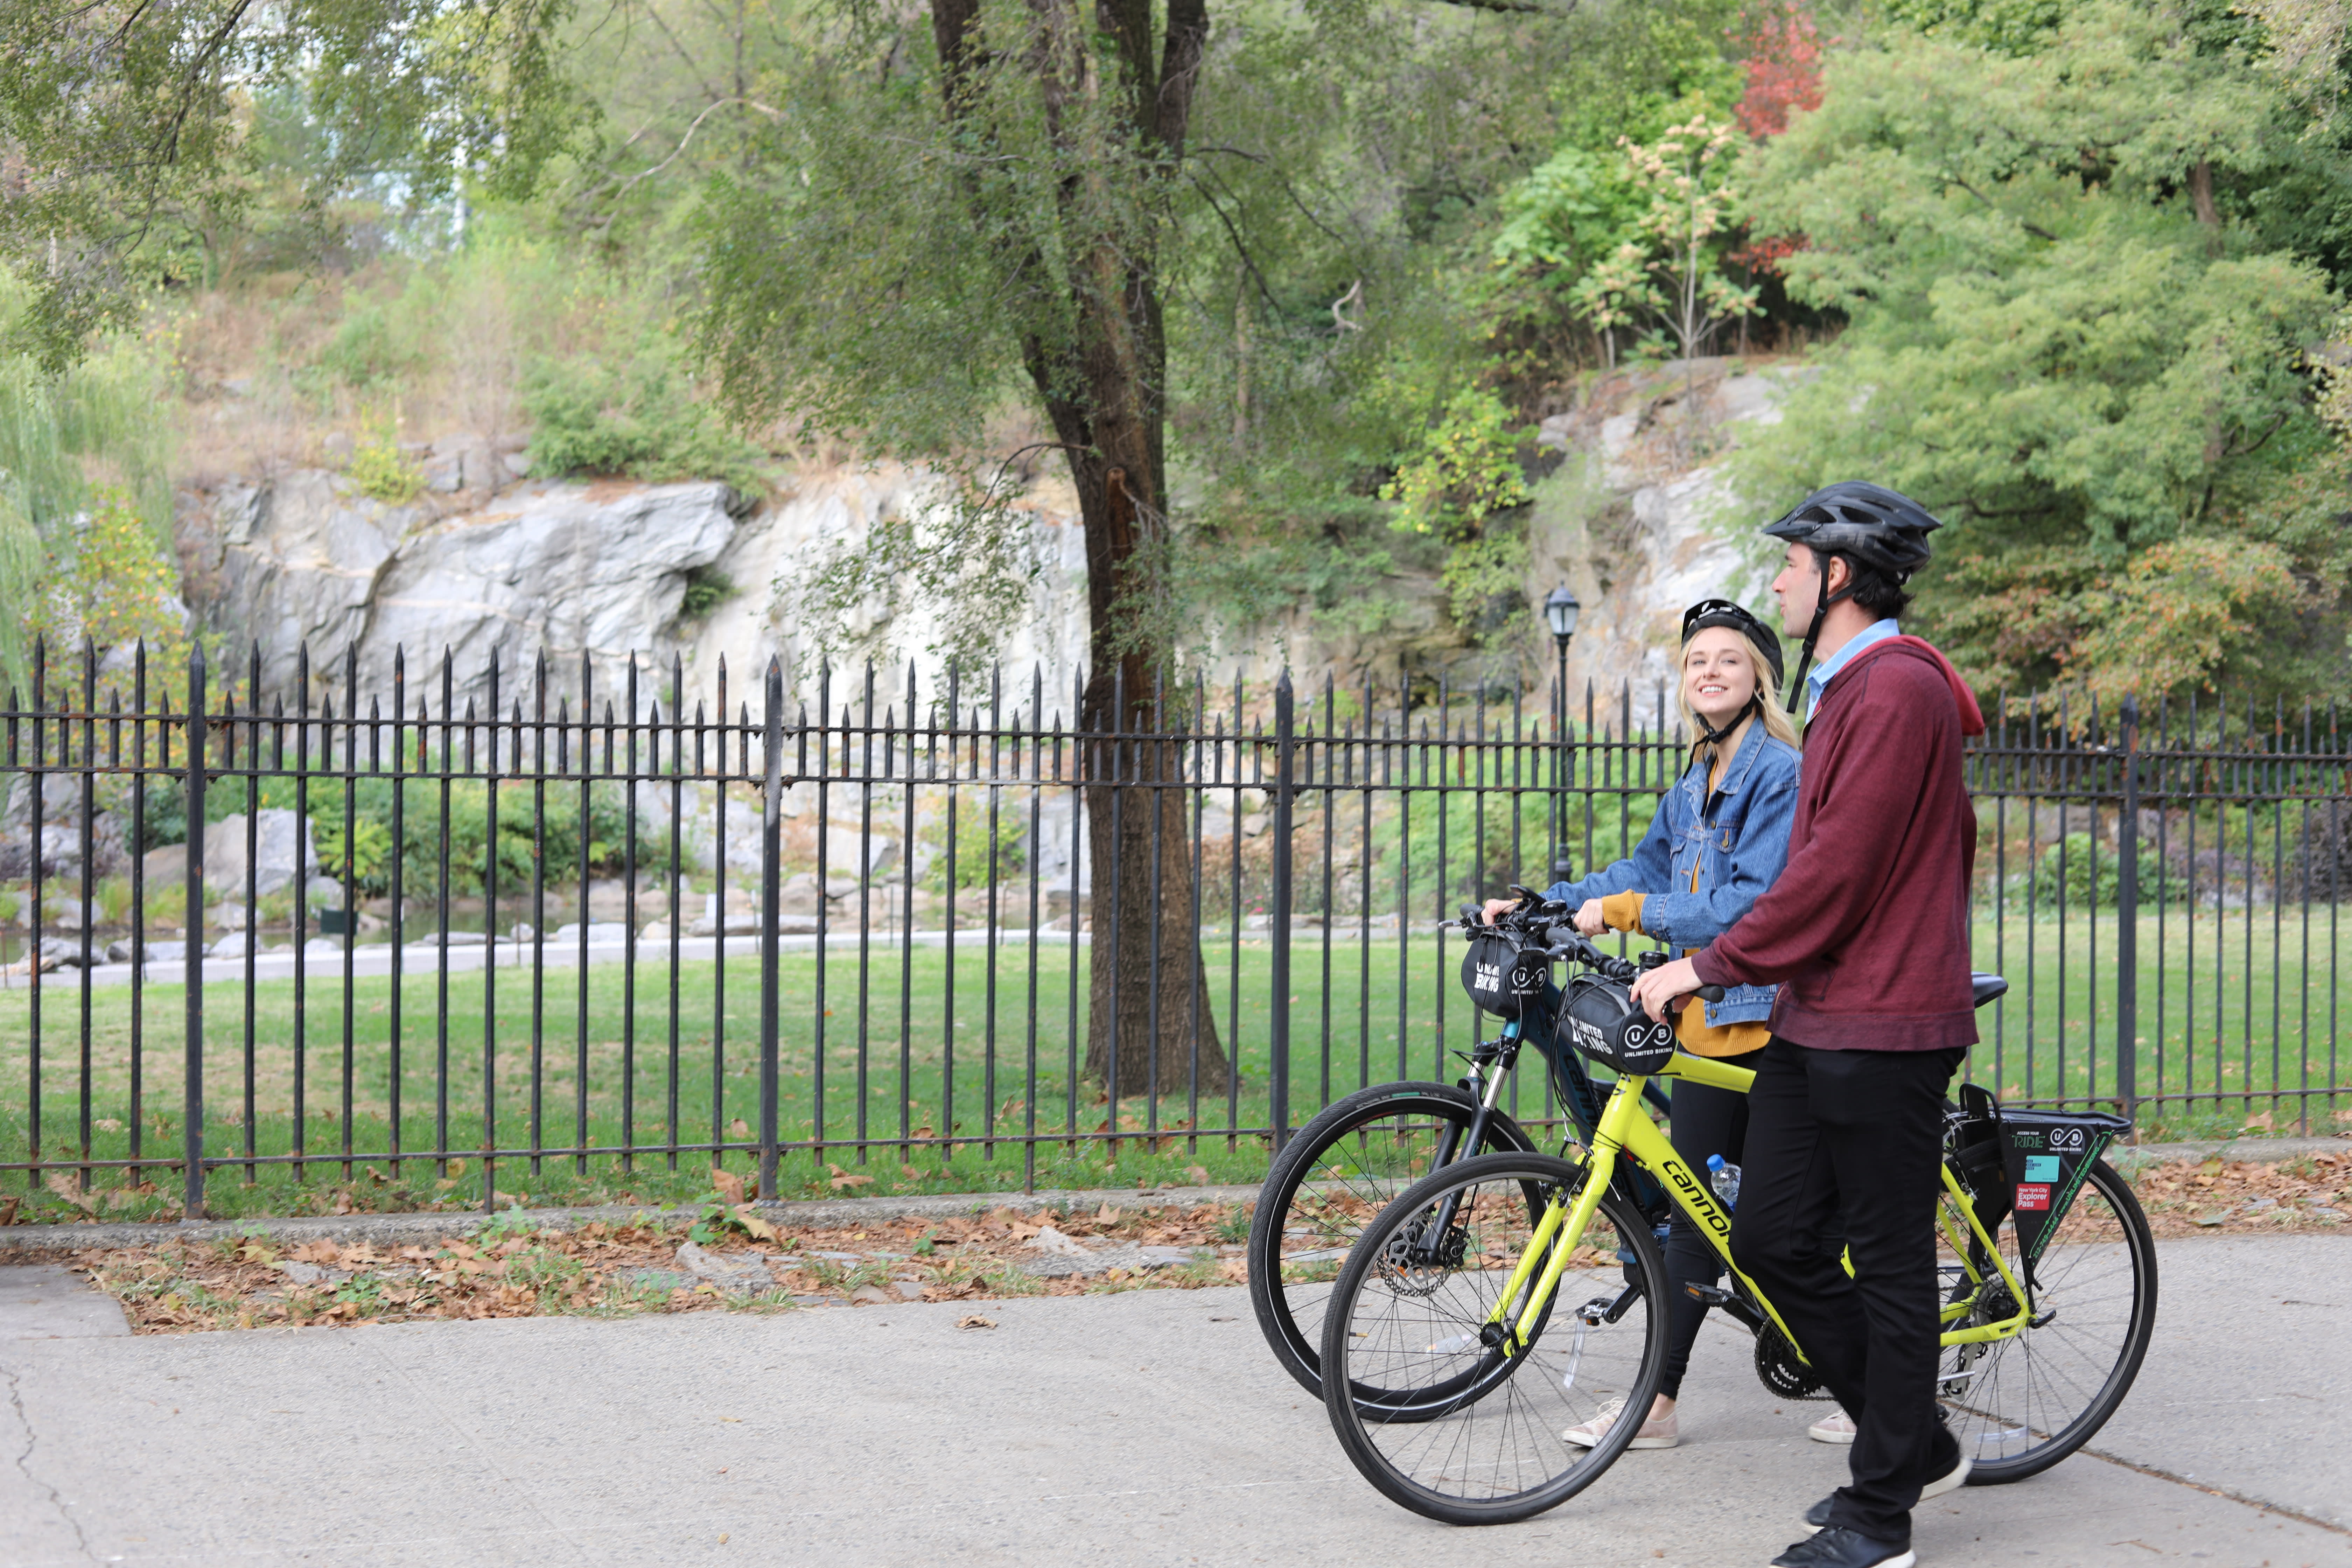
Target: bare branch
1523,7
692,126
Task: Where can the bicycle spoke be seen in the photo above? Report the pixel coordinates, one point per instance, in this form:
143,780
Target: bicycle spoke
1442,1410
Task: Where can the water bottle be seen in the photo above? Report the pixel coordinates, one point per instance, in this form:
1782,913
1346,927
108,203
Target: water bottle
1724,1180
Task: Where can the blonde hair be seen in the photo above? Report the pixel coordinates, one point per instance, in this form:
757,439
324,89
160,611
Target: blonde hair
1776,722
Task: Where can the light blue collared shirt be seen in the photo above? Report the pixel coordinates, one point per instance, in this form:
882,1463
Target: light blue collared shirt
1817,680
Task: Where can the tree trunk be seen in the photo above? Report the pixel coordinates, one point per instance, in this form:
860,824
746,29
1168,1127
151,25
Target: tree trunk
1104,392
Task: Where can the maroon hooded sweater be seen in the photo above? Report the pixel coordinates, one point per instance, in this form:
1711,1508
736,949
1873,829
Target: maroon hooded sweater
1866,931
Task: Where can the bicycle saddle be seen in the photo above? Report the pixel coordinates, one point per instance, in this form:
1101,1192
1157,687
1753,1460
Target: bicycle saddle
1986,986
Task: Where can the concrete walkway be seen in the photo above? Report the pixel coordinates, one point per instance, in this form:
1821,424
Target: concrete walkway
1147,1428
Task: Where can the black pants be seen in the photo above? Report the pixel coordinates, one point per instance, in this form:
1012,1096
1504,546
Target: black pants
1706,1121
1856,1136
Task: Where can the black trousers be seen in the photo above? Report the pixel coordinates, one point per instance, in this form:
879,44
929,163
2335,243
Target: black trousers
1855,1138
1706,1121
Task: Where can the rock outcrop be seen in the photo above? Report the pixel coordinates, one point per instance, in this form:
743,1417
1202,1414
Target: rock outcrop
619,573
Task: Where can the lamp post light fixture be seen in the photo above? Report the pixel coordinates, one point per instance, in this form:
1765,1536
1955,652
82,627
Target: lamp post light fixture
1559,612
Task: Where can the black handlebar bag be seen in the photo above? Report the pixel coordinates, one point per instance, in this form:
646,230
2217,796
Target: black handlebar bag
1501,976
1602,1022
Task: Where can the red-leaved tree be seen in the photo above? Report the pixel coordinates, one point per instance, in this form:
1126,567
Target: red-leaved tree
1783,59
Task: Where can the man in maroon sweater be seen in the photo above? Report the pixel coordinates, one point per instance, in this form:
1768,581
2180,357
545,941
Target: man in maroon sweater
1866,933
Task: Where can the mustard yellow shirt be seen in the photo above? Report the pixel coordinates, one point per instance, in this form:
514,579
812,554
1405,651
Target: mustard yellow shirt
1622,911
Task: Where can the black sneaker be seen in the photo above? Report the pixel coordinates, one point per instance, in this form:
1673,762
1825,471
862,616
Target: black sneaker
1818,1516
1841,1548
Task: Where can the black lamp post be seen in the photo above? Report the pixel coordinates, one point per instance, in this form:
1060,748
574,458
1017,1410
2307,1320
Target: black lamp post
1560,611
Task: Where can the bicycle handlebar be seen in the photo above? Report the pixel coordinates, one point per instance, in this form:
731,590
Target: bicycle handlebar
1546,923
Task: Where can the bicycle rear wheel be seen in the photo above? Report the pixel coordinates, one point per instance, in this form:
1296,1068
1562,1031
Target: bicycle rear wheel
1334,1175
2021,1405
1432,1401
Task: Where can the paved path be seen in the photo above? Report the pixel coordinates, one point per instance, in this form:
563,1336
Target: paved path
1148,1428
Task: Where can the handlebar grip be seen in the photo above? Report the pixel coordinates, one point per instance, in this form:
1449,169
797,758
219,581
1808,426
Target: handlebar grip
1709,992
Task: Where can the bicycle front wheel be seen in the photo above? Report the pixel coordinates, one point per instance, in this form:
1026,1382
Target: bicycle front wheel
1434,1399
1334,1175
2020,1406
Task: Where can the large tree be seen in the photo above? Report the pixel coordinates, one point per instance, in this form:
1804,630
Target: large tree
908,222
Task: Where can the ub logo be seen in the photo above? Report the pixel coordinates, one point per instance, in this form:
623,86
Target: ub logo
1490,977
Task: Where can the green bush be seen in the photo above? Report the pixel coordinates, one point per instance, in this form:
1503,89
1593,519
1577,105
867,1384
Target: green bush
2079,853
973,860
381,469
642,421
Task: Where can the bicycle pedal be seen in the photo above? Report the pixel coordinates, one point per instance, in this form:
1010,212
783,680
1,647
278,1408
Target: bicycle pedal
1710,1294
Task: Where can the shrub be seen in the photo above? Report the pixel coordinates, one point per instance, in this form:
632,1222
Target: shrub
380,470
641,421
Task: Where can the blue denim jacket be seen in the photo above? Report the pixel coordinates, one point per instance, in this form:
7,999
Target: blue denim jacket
1739,851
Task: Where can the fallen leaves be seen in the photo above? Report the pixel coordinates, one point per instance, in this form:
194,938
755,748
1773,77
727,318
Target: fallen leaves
842,1180
975,1321
606,1269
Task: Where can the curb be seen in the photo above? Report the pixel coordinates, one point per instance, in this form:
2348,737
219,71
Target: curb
820,1213
2131,1159
420,1229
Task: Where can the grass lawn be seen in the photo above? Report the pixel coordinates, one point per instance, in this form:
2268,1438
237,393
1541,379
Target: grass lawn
1350,1008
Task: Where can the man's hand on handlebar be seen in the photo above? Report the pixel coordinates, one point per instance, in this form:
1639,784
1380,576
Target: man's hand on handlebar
1496,909
1661,990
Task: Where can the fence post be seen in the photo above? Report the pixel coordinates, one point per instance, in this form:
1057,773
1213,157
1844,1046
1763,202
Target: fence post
1278,917
193,954
2128,917
772,874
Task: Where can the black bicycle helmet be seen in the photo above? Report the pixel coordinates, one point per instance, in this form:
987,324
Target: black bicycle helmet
1724,613
1878,527
1869,524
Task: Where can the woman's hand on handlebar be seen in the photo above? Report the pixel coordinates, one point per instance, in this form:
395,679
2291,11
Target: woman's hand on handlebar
1588,919
1661,990
1496,909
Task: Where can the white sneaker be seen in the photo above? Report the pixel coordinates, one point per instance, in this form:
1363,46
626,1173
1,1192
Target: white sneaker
1957,1478
1837,1427
1658,1432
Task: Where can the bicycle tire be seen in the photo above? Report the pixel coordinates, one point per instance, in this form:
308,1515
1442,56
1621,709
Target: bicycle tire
1290,1310
2097,1278
1497,1455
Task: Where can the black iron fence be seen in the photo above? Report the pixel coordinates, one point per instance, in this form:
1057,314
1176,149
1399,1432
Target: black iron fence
537,937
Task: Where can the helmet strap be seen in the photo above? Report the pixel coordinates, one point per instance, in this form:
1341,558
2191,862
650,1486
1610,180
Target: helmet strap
1813,632
1713,736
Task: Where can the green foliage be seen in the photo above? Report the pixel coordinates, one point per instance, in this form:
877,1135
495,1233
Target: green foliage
381,469
107,584
81,479
369,852
641,420
1465,469
2081,872
143,121
2100,393
978,854
365,351
707,588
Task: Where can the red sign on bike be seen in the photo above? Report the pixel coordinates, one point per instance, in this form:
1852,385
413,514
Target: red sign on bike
2034,1194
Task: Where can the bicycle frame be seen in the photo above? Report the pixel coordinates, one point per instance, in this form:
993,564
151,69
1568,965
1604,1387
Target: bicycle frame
1626,1131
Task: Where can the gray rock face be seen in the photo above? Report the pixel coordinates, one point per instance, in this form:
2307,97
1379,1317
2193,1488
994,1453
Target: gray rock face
600,570
274,852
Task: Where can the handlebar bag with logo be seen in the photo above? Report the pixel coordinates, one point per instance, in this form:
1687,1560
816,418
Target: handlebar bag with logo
1604,1022
1500,975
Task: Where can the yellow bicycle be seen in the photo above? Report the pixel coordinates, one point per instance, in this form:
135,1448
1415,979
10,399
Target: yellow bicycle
1509,1297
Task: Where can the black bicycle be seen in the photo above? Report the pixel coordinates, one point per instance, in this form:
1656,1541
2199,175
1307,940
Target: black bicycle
1344,1166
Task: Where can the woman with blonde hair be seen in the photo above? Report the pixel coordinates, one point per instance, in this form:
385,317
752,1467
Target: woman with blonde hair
1719,838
